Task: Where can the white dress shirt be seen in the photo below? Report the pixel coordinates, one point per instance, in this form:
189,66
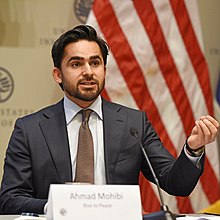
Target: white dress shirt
73,120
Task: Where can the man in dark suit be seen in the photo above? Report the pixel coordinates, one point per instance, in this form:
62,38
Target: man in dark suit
43,146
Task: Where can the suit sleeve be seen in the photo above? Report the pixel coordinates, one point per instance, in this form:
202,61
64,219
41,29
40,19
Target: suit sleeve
176,176
17,191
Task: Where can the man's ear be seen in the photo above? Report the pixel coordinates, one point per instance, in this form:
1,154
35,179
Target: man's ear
57,75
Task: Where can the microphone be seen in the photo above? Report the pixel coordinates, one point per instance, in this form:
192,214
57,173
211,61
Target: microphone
164,214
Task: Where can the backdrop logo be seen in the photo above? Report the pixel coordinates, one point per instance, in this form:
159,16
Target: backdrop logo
82,8
6,85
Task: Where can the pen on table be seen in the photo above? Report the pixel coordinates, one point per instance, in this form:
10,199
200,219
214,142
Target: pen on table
29,214
209,213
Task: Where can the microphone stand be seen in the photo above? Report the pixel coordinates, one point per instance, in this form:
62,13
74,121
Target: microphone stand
164,214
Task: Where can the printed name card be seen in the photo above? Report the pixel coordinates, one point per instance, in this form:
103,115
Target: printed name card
94,202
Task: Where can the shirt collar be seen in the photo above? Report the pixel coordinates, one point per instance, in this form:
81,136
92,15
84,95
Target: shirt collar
71,108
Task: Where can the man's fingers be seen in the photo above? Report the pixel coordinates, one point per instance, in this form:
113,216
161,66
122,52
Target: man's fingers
204,131
204,127
202,117
213,121
212,128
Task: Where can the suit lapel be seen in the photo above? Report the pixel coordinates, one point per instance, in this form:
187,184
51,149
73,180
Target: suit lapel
55,133
114,125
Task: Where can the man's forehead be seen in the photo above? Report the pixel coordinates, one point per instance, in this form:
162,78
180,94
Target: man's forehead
83,49
83,44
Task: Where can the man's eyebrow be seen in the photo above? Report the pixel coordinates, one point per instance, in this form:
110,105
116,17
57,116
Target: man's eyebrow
81,58
95,57
75,58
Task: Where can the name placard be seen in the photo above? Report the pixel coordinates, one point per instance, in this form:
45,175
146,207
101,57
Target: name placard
94,202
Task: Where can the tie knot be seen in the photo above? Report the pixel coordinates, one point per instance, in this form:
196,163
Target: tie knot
85,115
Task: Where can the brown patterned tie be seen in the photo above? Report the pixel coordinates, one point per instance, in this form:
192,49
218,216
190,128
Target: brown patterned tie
85,153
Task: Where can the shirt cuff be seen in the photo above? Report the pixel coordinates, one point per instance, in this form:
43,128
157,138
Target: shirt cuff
195,160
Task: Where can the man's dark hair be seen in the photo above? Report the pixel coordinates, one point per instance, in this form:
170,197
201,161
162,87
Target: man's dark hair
80,32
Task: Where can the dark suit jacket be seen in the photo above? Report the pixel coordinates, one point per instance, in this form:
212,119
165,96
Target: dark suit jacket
38,155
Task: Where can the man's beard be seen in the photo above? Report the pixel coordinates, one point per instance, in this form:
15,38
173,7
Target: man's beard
86,94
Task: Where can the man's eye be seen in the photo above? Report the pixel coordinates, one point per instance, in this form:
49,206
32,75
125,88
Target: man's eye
95,63
75,64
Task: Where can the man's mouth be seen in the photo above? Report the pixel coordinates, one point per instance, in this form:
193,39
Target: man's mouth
88,84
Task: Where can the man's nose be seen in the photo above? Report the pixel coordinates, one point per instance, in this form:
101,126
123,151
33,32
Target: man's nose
87,69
